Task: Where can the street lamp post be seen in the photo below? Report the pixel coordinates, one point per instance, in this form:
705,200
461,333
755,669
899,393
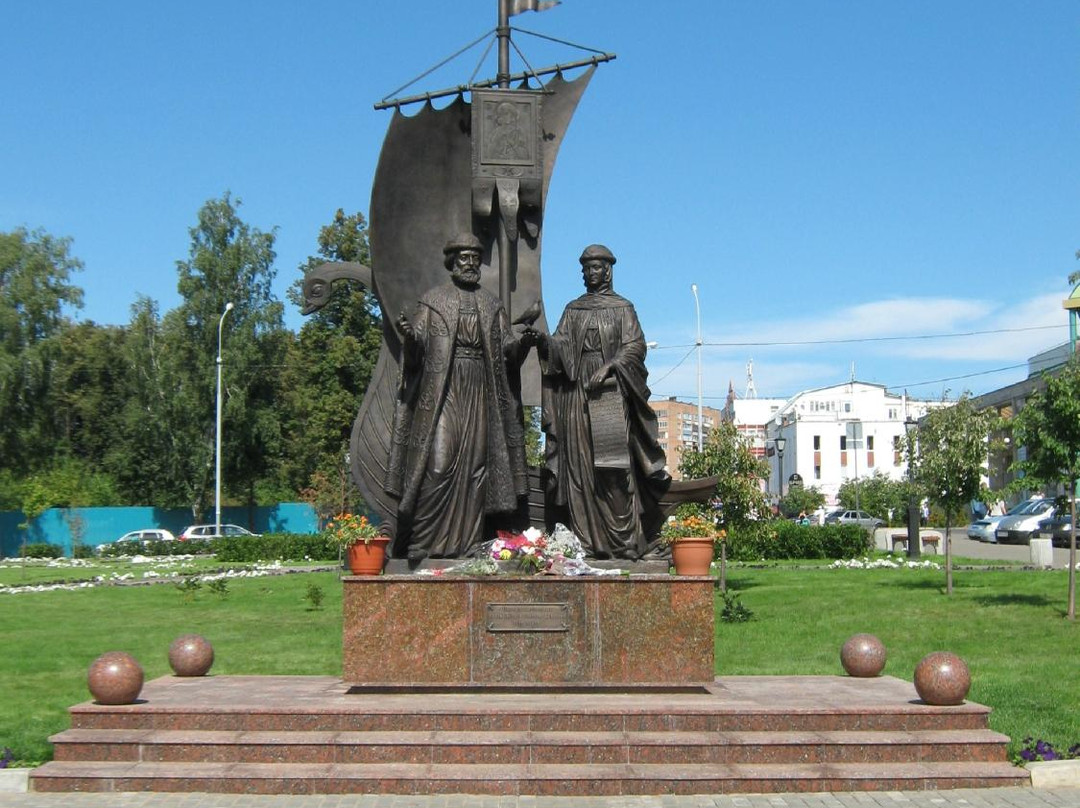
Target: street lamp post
780,443
913,549
217,436
700,421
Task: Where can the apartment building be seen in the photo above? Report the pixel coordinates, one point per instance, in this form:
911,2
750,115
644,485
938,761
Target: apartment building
677,422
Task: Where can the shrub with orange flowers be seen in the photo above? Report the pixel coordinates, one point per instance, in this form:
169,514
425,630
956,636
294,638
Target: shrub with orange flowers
349,529
689,524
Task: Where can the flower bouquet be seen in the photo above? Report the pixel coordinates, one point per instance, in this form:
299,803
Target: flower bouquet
528,550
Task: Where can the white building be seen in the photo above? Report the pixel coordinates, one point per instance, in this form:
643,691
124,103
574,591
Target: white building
751,417
830,435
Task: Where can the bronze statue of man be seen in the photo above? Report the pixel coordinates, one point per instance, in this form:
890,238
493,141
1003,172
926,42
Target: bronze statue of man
605,464
457,444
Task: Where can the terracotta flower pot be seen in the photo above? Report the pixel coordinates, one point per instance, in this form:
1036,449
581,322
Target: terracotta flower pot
693,555
368,558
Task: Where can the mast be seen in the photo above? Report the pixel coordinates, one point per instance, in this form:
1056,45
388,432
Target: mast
503,33
507,253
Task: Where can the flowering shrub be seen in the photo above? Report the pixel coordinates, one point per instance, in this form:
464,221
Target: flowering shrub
1033,750
690,526
888,562
349,529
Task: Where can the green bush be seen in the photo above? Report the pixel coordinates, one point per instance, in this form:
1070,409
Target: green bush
82,551
274,546
40,549
157,548
780,539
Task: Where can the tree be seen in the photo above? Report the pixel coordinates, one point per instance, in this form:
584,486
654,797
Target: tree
727,454
1048,427
147,454
800,499
330,363
229,262
89,389
35,290
949,455
879,495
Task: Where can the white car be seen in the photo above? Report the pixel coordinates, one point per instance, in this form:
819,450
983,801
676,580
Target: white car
140,537
211,532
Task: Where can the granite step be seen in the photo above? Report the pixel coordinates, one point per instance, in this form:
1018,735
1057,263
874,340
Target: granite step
524,747
514,778
482,715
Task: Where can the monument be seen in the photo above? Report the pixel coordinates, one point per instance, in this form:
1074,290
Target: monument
483,172
506,685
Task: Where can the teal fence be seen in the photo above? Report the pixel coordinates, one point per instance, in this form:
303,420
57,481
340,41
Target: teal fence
93,526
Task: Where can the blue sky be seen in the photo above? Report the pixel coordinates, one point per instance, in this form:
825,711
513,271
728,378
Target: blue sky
823,170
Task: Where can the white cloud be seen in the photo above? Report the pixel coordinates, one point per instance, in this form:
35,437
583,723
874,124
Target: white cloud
807,352
920,318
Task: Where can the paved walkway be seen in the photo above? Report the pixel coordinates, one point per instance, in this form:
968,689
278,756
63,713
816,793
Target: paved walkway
968,798
969,548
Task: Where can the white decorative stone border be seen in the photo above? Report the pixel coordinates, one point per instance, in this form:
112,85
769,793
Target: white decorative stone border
12,780
1054,773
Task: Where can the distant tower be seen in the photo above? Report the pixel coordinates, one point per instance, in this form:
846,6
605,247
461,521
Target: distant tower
751,391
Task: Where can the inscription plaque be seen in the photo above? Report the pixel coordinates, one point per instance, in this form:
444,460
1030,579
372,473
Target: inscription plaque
528,617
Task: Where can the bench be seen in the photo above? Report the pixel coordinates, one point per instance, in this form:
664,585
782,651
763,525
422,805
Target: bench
925,539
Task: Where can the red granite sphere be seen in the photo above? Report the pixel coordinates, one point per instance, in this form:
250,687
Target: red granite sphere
115,678
863,655
191,655
942,679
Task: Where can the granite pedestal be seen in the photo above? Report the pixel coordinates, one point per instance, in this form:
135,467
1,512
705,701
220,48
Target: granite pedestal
538,631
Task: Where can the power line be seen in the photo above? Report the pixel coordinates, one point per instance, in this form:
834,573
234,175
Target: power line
957,378
677,365
888,386
793,343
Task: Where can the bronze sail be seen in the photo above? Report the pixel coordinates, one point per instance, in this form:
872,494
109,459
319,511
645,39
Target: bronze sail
424,192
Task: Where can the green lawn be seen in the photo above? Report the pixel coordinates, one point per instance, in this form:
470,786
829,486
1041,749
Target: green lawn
1007,625
262,626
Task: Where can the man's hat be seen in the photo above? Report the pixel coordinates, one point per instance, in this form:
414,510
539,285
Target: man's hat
463,241
597,251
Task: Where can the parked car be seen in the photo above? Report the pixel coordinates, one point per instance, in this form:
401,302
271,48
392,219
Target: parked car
142,537
831,516
1056,528
985,529
207,532
861,518
1016,529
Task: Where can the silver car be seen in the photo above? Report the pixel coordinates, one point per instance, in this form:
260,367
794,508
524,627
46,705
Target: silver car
985,529
1017,527
860,518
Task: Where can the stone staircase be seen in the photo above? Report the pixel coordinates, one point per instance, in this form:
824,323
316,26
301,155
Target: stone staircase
311,735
